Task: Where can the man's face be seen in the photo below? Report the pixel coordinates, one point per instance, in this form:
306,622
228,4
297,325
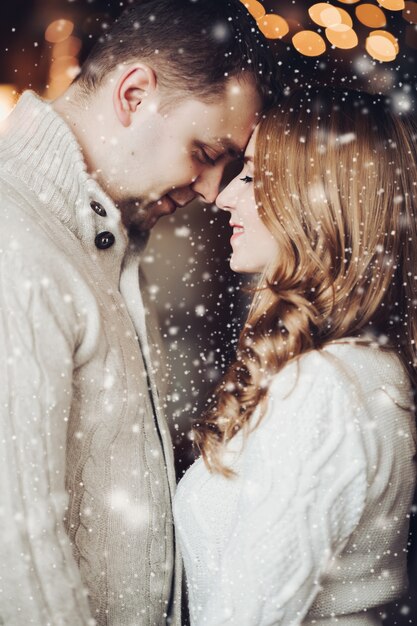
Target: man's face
170,157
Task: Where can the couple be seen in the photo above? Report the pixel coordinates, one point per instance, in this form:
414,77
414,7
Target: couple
297,510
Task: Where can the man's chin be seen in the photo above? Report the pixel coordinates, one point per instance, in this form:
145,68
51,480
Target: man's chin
146,224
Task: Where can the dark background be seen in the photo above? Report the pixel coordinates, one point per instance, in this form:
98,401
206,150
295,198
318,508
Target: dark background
200,302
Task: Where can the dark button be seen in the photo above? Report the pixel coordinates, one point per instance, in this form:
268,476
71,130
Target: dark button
100,210
104,240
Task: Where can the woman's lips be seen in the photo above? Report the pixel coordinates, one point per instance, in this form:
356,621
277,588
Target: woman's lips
237,231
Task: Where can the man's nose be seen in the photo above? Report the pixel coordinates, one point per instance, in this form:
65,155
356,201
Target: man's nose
207,184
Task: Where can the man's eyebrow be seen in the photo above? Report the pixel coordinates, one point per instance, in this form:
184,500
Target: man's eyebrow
229,146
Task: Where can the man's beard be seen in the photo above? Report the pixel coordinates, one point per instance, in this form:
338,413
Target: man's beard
135,213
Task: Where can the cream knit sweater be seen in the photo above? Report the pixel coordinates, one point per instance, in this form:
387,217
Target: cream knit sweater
314,528
86,474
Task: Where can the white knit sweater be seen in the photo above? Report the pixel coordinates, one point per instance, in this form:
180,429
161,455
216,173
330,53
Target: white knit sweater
314,527
86,467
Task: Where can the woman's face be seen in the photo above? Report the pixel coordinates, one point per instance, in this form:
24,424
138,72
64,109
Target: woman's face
253,246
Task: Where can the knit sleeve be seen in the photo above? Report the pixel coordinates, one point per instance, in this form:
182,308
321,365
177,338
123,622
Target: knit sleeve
39,579
305,481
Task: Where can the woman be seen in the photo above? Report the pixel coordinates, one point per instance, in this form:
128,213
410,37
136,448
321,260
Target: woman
298,510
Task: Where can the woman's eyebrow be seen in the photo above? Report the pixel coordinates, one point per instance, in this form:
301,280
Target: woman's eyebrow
248,159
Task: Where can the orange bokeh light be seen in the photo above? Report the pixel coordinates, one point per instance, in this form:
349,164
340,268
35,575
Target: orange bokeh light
58,31
8,98
342,36
324,14
273,26
370,15
309,43
345,17
255,8
338,25
410,12
392,5
64,67
69,47
327,15
382,46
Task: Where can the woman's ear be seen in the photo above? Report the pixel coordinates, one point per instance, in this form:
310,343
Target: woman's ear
133,86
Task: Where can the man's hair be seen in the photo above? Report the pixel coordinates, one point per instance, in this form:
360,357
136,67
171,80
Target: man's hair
195,46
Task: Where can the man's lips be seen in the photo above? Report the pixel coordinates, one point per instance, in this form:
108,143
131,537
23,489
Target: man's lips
170,205
174,204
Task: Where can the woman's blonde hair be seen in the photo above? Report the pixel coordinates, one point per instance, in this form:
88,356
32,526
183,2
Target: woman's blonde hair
336,184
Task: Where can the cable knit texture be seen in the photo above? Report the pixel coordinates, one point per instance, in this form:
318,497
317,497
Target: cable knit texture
314,527
86,459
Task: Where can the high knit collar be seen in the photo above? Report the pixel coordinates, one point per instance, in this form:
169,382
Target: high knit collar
38,148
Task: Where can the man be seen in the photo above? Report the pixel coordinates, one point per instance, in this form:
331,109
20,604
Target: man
164,101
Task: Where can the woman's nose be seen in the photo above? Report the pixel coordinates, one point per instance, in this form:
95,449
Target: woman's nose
226,199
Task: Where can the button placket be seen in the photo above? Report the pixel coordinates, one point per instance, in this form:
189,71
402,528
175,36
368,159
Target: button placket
98,208
104,239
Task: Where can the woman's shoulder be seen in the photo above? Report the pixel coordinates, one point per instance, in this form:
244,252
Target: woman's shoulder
341,393
344,383
344,367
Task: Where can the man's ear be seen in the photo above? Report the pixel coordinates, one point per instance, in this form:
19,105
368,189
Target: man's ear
133,86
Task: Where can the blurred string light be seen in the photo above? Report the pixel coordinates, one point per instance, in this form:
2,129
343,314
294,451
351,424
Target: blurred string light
64,56
339,29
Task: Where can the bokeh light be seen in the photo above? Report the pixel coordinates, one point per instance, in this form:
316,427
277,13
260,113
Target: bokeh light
70,47
339,28
392,5
327,15
324,14
273,26
342,36
309,43
255,8
58,31
410,12
345,17
370,15
8,98
64,68
382,46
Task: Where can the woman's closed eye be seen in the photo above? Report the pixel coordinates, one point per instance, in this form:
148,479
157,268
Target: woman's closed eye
246,179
